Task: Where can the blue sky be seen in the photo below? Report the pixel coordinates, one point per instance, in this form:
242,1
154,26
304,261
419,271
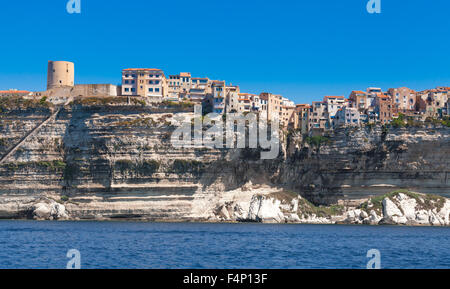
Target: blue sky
301,49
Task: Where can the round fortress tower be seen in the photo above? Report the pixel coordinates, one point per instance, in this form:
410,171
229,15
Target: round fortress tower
60,73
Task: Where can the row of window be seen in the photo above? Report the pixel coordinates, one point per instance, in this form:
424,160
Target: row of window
134,89
143,75
149,82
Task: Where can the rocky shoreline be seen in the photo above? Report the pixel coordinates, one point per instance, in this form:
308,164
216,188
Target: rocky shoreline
278,207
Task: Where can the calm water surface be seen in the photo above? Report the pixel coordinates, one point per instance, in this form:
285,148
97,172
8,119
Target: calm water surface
29,244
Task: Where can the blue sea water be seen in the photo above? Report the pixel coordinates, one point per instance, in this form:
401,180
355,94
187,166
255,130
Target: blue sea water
31,244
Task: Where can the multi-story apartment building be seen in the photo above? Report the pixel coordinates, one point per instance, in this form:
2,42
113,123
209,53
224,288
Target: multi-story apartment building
232,102
317,116
256,103
200,88
347,116
432,102
302,111
288,118
372,93
144,82
218,96
274,105
179,86
403,99
333,104
244,103
286,102
383,108
358,99
260,105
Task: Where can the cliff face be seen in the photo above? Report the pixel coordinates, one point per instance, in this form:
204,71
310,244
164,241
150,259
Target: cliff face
354,164
117,162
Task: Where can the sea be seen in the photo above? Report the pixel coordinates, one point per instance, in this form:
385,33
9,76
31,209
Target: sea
145,245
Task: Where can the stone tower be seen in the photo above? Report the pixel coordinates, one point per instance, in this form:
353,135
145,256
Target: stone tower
60,74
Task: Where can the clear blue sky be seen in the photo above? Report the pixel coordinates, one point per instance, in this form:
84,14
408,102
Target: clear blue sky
301,49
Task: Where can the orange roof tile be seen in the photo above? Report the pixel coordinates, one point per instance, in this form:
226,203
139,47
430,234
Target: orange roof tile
327,97
14,91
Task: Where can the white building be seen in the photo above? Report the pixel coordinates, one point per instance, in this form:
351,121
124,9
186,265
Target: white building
347,116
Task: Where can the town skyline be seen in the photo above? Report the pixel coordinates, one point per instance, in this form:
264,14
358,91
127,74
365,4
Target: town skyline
153,86
41,86
303,53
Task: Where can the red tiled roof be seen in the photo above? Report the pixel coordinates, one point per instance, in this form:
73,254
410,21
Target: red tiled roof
14,91
327,97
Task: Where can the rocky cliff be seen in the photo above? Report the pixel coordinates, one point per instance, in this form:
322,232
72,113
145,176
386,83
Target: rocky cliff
100,160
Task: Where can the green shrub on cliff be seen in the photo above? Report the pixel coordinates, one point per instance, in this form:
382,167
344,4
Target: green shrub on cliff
317,141
57,166
424,201
308,208
53,166
399,121
180,104
446,121
20,103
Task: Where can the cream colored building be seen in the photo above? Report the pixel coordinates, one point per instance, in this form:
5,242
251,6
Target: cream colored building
288,114
179,86
244,103
274,105
218,96
144,82
200,88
